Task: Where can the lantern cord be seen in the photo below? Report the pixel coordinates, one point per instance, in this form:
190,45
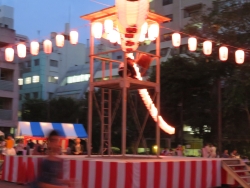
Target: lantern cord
100,3
203,38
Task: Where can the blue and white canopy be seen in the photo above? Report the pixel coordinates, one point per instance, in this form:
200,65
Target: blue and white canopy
42,129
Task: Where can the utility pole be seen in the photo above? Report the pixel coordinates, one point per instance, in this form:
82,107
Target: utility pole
219,115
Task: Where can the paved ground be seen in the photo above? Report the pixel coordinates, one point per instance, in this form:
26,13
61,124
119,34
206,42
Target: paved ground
10,185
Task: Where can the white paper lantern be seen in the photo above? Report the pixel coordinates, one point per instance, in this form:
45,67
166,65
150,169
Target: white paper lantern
239,56
142,37
108,25
9,54
34,48
144,28
153,31
60,40
207,47
192,44
176,39
21,50
97,30
132,13
223,53
47,46
73,37
113,36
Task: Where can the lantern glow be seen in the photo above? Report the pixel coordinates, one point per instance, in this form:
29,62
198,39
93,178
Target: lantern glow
153,31
34,48
21,50
108,25
223,53
47,46
113,36
176,39
73,37
239,56
97,30
60,40
9,54
192,44
144,28
207,47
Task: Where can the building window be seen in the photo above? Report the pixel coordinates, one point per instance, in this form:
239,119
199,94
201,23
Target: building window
20,81
53,63
78,78
119,57
164,52
50,95
37,62
20,96
184,49
52,79
36,79
169,16
167,2
193,10
166,37
28,64
6,26
28,80
27,96
35,95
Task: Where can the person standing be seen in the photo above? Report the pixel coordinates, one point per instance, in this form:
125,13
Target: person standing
213,151
225,154
19,147
10,142
52,166
77,148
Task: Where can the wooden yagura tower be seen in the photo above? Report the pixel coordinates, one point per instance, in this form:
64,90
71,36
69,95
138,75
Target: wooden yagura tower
123,84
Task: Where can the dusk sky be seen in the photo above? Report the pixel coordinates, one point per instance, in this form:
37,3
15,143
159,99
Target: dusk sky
51,15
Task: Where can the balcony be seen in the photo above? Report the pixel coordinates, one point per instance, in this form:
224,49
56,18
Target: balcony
6,85
5,114
7,36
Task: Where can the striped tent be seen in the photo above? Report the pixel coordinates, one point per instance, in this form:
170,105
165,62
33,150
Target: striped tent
42,129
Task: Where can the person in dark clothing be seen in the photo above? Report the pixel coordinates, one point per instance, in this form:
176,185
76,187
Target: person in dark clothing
31,144
77,148
52,166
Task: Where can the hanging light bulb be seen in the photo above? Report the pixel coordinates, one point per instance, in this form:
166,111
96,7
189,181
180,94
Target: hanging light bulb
9,54
176,39
47,46
207,47
144,28
73,35
239,56
192,44
153,31
60,40
108,25
97,30
21,50
223,53
34,48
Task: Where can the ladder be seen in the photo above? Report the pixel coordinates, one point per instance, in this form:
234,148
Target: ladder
238,170
106,120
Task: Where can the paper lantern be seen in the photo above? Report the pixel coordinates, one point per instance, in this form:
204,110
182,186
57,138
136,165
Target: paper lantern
142,37
176,39
239,56
97,30
207,47
223,53
9,54
108,25
132,13
144,28
47,46
153,31
60,40
113,36
21,50
192,44
34,48
73,37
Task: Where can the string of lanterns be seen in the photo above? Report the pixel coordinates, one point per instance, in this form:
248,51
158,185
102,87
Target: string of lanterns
114,36
34,46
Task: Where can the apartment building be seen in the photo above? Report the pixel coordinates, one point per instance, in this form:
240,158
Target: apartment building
8,73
